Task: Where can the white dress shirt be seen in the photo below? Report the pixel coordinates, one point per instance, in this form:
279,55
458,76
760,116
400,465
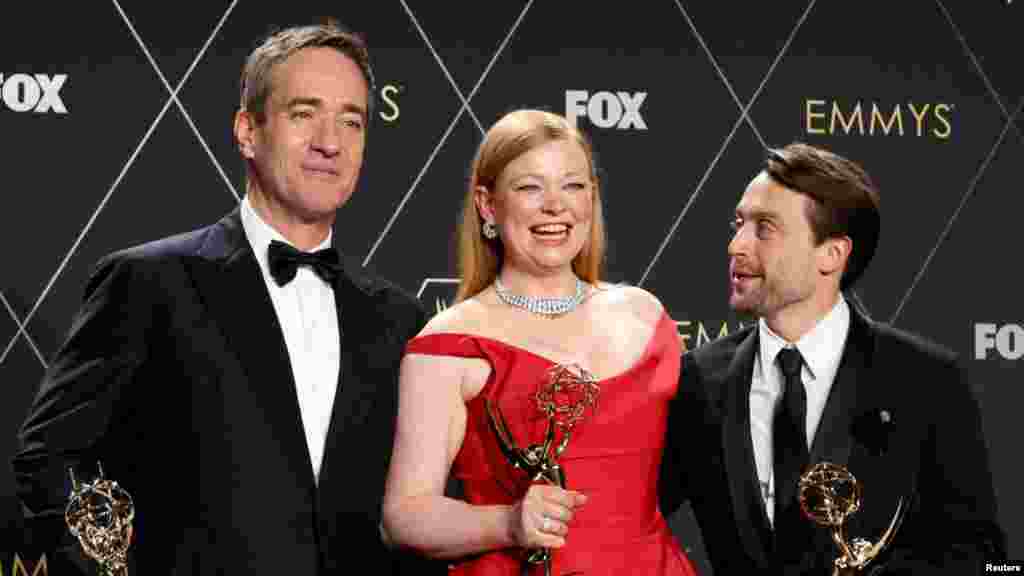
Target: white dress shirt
308,317
821,349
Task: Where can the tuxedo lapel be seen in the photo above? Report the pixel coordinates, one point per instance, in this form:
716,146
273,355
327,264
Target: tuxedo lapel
232,285
741,468
885,472
353,298
850,395
832,442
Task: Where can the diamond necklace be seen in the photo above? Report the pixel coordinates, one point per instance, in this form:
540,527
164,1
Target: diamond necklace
555,306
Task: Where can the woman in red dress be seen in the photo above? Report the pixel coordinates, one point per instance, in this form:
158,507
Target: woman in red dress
476,382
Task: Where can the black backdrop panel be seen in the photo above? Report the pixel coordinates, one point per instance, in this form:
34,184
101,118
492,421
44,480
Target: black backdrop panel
116,122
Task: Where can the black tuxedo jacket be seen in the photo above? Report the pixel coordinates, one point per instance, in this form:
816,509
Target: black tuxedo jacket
931,452
175,376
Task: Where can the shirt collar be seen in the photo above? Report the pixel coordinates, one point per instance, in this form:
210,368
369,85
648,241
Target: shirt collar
820,347
261,234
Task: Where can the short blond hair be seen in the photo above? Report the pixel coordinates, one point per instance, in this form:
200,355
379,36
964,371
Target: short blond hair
479,259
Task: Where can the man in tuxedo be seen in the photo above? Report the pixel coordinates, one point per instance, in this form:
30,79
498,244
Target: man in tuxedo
816,380
240,381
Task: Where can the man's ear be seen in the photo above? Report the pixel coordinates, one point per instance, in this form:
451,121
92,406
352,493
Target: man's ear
245,133
833,255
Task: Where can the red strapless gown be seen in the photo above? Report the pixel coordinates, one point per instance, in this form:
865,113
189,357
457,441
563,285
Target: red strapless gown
613,456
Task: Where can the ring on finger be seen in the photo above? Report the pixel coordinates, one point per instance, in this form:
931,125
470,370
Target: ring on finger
546,524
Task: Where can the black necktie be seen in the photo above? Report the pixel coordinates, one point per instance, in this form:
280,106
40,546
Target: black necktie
285,260
788,431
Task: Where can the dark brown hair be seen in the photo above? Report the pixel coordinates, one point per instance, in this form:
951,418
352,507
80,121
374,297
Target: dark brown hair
845,200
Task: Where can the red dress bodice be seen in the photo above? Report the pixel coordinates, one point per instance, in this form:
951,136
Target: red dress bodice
613,456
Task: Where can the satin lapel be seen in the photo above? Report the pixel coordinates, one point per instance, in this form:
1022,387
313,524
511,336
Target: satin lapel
741,470
885,474
358,331
833,442
860,389
237,298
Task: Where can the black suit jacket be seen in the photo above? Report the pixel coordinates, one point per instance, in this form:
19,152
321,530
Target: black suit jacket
176,377
932,453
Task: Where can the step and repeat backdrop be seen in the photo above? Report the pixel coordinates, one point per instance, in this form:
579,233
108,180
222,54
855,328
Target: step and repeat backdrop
116,115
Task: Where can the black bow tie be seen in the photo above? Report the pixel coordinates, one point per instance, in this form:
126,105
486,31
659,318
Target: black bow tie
285,261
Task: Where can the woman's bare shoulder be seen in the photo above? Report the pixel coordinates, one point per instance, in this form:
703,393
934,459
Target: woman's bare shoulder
465,317
629,300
